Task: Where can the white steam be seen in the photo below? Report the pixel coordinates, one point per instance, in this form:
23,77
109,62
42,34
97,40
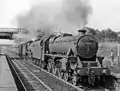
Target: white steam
57,15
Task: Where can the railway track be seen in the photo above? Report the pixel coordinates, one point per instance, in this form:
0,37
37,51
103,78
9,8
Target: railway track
28,80
35,77
52,81
58,84
18,81
83,88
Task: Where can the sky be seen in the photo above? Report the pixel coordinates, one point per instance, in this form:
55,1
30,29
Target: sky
106,13
8,10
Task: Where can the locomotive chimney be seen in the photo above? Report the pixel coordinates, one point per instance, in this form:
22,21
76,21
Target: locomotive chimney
82,32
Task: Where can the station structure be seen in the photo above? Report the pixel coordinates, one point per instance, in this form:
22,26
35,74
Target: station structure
7,33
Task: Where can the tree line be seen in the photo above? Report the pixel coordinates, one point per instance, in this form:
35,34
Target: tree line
105,35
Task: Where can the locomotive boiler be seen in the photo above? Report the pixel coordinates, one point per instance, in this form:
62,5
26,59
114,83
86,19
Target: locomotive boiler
72,58
83,46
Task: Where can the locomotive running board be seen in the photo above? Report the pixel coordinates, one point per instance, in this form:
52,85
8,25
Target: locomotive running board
57,55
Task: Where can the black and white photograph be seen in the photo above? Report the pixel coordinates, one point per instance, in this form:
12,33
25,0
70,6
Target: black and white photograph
59,45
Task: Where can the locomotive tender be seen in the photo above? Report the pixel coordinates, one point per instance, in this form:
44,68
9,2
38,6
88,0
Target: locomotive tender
72,58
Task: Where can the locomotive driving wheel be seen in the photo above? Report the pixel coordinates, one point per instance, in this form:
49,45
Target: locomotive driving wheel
65,77
57,68
57,72
74,79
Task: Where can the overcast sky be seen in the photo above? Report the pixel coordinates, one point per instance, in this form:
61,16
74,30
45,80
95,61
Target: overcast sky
106,13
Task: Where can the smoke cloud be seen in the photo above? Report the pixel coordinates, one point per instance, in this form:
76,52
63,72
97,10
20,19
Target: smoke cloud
54,16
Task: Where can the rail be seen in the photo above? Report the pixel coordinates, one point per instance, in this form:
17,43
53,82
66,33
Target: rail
18,81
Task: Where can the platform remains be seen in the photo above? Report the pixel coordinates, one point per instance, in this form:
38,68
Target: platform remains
7,82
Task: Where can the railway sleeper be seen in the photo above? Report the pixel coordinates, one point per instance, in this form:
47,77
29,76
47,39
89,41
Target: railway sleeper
67,77
30,82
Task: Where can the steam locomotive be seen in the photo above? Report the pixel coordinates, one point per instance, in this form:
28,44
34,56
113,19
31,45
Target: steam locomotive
72,58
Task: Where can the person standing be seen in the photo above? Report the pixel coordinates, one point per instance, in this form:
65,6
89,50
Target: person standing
112,58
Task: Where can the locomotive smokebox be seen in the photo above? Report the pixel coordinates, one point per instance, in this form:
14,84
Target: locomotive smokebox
87,46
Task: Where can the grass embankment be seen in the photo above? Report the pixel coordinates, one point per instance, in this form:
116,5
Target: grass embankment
104,51
105,48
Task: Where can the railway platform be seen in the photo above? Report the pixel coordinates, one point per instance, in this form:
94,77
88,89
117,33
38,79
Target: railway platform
7,82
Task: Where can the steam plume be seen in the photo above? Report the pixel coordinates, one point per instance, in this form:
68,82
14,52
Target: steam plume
59,15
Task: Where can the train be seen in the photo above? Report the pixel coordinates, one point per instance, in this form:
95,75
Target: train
71,58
